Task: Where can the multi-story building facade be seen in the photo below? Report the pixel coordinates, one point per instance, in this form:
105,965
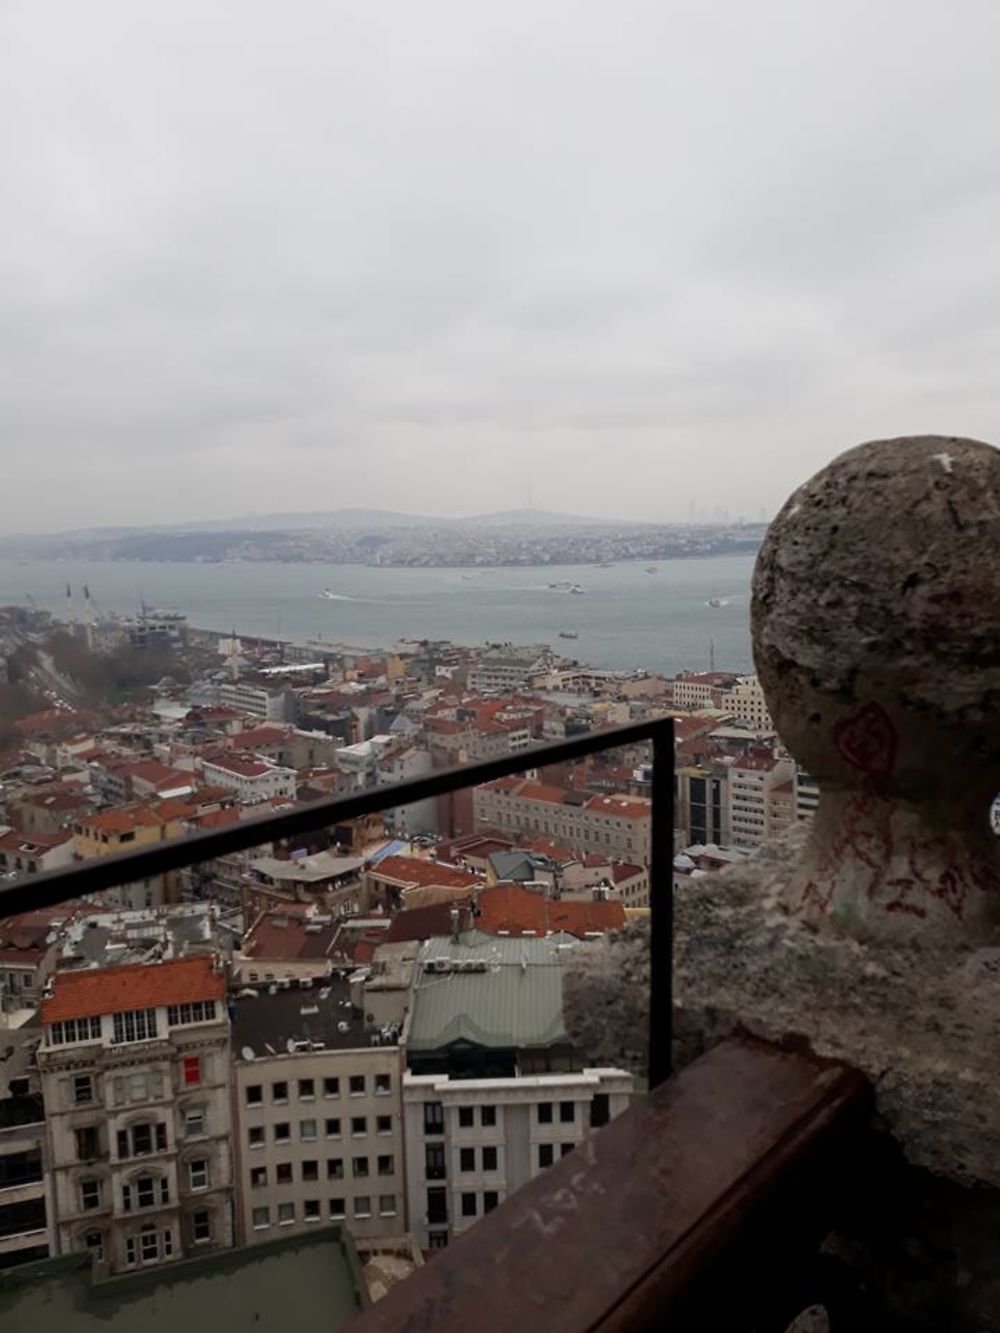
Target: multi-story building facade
134,1068
252,780
123,829
762,799
702,689
702,806
272,703
616,825
316,1107
807,794
508,671
747,704
471,1142
25,1211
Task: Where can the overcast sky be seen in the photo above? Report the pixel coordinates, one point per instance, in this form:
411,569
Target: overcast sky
448,256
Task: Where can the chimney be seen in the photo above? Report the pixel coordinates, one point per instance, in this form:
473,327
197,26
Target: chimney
456,917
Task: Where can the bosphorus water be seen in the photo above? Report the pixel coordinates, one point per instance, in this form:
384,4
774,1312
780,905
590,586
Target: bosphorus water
626,618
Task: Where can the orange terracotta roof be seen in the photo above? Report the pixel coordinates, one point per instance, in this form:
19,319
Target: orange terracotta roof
109,990
410,870
539,791
514,909
620,807
121,819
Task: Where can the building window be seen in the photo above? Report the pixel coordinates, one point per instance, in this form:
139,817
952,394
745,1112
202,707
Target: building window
145,1192
359,1125
545,1113
466,1116
437,1240
279,1092
362,1206
201,1227
261,1218
383,1123
468,1205
387,1205
600,1110
356,1085
359,1166
386,1165
335,1168
467,1159
490,1200
283,1173
83,1089
307,1091
310,1170
191,1070
487,1115
433,1118
331,1087
198,1173
142,1140
307,1130
546,1154
93,1244
338,1210
199,1011
286,1214
567,1112
194,1122
90,1194
88,1143
489,1159
255,1136
255,1095
75,1029
434,1161
383,1085
437,1206
134,1025
310,1210
566,1148
283,1132
333,1129
258,1177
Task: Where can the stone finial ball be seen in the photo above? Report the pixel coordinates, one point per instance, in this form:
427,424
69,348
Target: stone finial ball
876,619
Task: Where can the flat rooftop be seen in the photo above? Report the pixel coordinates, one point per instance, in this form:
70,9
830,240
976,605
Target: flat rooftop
246,1289
321,1015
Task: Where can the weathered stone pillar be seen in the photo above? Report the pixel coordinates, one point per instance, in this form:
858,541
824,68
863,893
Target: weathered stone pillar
876,629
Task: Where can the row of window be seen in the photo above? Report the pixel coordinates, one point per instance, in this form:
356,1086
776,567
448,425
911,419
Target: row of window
436,1167
199,1011
547,1152
143,1191
306,1089
470,1203
309,1170
309,1130
285,1213
75,1029
130,1025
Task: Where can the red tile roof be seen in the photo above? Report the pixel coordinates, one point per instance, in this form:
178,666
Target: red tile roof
511,908
411,871
121,819
281,935
108,990
421,923
620,807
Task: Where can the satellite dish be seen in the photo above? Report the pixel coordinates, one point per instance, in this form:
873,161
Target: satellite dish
247,1053
290,1045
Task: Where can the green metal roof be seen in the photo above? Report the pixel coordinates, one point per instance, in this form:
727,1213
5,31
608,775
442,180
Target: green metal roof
317,1276
515,1002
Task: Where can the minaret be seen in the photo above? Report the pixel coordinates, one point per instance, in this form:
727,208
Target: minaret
70,614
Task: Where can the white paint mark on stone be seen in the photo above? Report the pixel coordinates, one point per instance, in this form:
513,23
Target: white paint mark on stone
945,460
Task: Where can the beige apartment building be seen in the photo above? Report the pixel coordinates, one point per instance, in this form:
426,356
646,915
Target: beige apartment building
134,1068
617,825
762,797
316,1115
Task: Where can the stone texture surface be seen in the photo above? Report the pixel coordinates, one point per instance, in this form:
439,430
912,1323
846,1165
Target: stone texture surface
876,625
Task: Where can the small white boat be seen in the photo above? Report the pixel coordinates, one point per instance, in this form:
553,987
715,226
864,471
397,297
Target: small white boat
330,596
568,634
717,602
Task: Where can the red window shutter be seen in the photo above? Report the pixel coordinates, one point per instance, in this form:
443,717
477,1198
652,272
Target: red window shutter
192,1069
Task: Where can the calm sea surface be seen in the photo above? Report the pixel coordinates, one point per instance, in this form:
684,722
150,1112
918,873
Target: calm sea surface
626,617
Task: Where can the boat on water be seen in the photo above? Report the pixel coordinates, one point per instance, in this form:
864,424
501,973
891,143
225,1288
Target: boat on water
651,569
564,585
330,596
717,602
568,634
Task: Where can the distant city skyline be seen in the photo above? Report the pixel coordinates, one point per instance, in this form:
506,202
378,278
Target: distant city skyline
646,262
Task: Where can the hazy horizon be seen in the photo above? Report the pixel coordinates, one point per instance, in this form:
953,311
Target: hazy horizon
643,262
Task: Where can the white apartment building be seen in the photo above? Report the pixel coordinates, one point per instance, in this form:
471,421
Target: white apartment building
507,672
273,703
701,689
762,797
471,1142
746,702
252,779
806,794
134,1067
316,1108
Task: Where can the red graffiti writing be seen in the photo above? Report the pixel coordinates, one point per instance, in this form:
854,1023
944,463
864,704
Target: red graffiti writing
867,740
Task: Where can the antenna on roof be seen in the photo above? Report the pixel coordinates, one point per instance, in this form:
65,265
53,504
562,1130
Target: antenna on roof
711,654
